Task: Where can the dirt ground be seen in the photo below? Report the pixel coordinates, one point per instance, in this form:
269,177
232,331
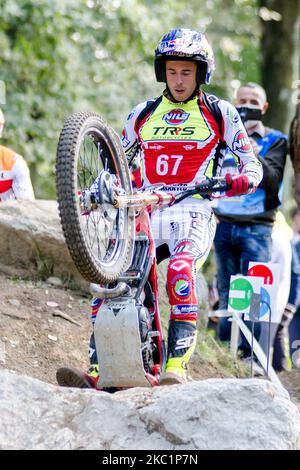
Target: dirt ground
35,340
291,381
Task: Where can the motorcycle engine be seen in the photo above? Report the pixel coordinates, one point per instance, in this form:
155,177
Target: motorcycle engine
145,324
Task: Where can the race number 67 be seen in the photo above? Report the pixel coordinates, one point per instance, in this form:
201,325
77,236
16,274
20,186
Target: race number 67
162,164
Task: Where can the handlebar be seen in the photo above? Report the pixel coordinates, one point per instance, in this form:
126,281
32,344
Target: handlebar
207,187
147,198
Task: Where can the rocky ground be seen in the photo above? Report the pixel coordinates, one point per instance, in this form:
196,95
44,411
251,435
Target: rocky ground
37,334
43,327
291,381
36,331
210,414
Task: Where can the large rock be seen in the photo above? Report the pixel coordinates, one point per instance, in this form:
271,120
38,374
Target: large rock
212,414
32,245
32,242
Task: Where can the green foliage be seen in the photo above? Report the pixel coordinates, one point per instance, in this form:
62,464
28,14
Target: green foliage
45,264
60,56
212,352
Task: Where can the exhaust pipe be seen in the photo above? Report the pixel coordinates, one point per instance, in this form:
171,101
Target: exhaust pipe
106,293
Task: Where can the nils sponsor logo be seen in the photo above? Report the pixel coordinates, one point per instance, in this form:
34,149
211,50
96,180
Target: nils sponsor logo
241,142
176,116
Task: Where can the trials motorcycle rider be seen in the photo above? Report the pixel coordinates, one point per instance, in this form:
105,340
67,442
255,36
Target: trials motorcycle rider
174,141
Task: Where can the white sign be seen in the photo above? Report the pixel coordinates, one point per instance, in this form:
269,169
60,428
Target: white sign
241,290
270,274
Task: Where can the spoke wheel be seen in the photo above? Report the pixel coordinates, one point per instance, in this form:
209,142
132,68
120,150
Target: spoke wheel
91,166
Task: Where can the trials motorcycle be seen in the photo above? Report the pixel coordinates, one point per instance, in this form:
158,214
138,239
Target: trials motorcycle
107,229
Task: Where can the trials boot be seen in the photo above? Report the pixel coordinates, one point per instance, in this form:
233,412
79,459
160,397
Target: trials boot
181,345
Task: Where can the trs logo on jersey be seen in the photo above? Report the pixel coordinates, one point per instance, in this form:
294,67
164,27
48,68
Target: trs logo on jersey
241,142
176,116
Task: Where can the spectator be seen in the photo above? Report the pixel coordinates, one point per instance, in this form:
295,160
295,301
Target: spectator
245,223
282,255
15,180
289,328
294,327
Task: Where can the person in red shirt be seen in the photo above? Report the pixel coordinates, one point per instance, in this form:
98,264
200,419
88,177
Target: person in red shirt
15,182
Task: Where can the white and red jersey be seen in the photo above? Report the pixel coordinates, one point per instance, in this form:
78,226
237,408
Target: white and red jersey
15,180
179,144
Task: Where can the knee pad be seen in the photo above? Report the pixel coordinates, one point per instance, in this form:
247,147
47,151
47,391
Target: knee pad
181,283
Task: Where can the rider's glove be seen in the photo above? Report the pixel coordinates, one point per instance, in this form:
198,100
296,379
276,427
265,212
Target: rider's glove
239,184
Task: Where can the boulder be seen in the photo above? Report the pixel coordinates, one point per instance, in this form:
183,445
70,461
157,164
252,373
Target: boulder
210,414
32,243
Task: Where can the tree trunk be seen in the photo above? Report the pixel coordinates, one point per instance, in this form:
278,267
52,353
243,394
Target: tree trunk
280,43
294,143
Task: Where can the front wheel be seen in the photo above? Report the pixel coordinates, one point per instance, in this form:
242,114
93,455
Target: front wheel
90,167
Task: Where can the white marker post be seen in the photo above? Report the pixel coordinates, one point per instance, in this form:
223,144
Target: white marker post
240,296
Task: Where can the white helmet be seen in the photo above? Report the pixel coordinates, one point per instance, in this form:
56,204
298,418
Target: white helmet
185,44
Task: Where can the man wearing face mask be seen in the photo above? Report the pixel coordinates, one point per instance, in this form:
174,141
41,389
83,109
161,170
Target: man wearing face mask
15,180
245,223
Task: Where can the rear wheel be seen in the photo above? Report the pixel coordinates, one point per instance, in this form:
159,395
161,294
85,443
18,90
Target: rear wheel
90,167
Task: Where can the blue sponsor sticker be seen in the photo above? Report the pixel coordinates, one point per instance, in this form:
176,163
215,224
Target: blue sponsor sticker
184,309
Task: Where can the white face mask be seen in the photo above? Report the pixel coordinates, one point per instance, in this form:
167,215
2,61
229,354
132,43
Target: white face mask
250,124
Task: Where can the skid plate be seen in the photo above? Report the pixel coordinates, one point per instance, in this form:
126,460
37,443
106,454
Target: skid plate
118,345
